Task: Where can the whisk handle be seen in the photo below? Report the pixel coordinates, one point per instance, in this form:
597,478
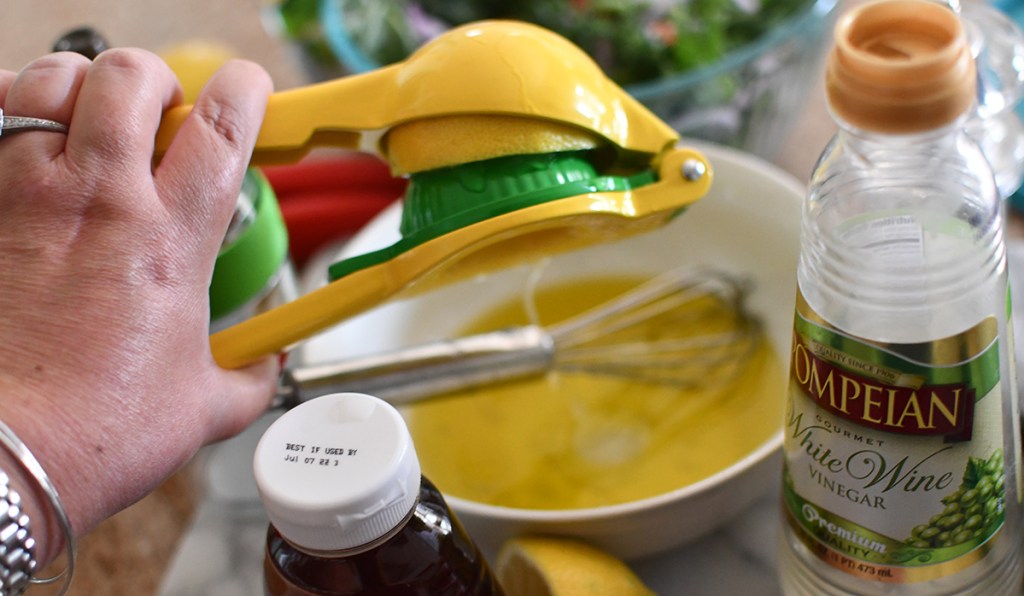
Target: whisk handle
412,374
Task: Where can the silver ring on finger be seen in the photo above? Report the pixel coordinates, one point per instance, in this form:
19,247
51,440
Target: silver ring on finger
11,124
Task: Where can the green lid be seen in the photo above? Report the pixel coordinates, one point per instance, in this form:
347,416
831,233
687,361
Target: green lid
440,201
246,266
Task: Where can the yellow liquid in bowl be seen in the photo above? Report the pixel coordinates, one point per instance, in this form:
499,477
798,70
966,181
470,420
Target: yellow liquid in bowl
578,440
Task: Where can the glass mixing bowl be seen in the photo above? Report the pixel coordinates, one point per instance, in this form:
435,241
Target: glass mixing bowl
739,76
750,98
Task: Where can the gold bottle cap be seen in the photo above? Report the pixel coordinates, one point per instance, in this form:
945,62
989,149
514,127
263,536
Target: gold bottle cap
900,66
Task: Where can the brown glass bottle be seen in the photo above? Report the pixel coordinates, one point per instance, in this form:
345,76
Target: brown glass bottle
429,554
353,515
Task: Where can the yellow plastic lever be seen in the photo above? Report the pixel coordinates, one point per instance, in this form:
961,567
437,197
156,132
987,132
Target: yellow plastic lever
490,67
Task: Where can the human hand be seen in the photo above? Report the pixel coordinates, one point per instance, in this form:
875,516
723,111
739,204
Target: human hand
105,261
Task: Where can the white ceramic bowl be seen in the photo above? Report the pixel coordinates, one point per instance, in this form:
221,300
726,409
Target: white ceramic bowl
748,224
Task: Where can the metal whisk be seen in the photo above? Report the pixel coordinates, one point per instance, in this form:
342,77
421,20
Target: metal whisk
615,339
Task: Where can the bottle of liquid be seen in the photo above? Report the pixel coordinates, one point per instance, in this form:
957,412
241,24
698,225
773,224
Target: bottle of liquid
350,512
902,440
997,44
253,272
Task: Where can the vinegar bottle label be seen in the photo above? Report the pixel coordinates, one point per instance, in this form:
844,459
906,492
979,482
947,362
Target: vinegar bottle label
893,452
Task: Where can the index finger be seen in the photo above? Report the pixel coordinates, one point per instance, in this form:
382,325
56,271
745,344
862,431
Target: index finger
210,152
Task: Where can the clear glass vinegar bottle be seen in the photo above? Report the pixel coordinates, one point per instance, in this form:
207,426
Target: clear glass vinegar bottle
902,438
350,513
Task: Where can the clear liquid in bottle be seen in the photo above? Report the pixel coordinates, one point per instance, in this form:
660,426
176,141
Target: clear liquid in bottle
901,438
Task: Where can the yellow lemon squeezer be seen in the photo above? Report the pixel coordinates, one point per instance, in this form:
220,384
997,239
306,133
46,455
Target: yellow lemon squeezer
516,146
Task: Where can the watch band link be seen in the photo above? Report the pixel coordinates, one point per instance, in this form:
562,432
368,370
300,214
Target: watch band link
17,547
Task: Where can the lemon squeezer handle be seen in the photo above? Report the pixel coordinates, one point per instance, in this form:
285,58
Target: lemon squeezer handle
620,214
415,373
346,113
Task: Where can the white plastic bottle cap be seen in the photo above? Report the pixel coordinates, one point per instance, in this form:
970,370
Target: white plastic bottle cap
337,472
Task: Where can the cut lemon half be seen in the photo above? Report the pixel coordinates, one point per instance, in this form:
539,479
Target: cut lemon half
547,566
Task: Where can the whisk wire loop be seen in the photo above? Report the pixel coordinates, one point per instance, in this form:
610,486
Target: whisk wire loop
657,296
701,332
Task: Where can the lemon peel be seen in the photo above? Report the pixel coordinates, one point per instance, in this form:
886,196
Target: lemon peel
447,141
550,566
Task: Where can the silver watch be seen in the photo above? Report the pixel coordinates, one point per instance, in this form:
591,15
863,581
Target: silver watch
17,547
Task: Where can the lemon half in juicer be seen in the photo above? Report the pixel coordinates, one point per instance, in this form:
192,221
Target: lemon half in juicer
516,145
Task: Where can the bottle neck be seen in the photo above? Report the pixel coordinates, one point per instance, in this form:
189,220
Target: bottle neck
431,549
946,156
362,548
902,234
939,136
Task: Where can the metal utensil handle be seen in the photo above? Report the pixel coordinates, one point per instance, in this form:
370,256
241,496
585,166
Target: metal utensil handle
411,374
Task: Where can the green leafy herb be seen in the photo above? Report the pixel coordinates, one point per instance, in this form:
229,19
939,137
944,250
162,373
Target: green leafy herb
632,40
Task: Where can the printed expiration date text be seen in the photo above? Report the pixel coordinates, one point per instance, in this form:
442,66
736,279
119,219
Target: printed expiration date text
316,454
